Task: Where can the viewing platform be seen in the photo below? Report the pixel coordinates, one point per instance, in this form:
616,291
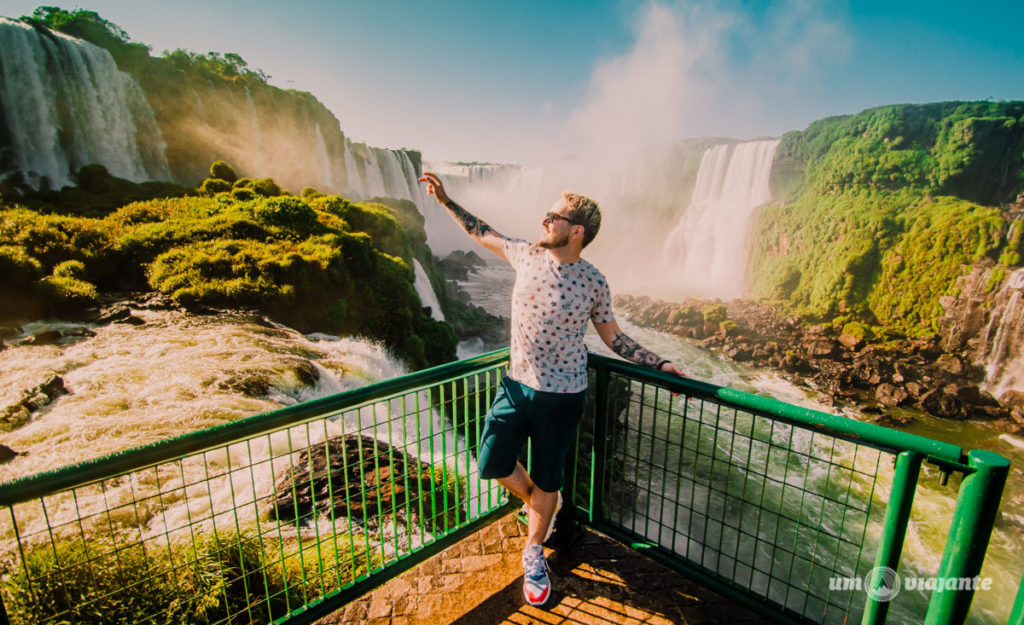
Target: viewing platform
597,581
685,502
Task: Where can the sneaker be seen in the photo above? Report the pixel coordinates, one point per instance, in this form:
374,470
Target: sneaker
536,584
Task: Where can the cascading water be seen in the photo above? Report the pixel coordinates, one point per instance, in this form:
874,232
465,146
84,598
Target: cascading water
426,292
65,104
325,160
1004,337
707,250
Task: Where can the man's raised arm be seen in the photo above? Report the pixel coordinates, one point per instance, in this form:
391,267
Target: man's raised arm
474,227
620,343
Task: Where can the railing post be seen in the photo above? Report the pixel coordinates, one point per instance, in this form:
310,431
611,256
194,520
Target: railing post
1017,613
969,532
894,530
600,451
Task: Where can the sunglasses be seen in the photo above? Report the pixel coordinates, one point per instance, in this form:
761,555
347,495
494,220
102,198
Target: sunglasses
550,217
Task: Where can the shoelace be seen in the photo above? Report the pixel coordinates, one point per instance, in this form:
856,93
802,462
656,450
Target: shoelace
534,565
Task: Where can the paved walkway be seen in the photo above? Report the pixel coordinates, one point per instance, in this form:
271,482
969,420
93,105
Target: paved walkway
596,581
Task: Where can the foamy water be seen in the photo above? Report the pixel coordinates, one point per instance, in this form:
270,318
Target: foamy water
132,385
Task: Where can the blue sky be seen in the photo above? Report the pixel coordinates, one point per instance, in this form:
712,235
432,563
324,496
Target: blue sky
530,81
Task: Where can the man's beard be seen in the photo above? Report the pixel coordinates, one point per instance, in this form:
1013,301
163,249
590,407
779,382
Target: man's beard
561,242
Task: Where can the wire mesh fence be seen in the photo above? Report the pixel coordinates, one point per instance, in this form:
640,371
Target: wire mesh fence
260,526
288,515
781,507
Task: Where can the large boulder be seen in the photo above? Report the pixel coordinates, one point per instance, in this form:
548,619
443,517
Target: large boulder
367,481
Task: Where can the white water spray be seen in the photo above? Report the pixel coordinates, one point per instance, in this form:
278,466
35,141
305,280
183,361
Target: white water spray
66,104
707,250
426,292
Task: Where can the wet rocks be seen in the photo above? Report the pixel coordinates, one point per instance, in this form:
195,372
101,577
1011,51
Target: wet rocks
7,454
365,480
459,264
847,366
31,401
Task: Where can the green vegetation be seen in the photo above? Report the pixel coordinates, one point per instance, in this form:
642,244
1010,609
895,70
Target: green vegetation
887,208
320,265
225,577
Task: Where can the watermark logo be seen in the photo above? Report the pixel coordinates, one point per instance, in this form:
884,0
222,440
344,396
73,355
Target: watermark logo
883,583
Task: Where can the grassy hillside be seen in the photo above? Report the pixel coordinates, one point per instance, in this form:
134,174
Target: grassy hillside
316,263
882,211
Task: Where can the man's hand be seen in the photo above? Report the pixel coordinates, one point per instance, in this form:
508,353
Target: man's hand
670,367
434,187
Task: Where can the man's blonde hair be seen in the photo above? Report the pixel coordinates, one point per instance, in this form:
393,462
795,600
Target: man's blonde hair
585,212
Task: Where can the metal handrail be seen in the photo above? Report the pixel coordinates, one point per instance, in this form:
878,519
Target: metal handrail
673,467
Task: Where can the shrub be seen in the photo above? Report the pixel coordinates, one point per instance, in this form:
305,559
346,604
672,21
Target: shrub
266,187
213,186
59,294
243,194
222,171
70,269
223,578
285,212
243,183
17,267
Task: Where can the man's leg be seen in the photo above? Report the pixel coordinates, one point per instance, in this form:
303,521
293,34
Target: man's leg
542,503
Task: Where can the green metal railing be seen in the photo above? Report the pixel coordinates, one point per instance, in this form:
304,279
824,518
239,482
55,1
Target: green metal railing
288,515
790,511
283,516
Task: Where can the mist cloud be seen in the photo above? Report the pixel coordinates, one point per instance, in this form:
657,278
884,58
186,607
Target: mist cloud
701,69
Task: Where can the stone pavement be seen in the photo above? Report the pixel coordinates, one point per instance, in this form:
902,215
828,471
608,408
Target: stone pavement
596,581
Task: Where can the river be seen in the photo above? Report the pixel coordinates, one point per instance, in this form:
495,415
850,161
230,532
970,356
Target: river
491,287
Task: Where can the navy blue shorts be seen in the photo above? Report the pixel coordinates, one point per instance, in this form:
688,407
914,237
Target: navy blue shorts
519,413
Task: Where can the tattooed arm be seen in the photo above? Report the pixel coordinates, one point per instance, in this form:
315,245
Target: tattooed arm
475,227
629,349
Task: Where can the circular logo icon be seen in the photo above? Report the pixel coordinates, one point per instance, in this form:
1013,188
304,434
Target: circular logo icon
882,583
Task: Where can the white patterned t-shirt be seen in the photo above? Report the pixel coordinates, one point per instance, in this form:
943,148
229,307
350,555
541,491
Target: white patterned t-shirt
552,303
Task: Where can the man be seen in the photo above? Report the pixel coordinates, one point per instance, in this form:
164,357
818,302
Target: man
556,293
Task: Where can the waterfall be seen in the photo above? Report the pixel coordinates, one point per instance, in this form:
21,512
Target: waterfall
1003,337
257,133
325,159
65,104
426,292
707,249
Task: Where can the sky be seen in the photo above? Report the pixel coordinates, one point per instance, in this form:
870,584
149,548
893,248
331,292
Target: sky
531,81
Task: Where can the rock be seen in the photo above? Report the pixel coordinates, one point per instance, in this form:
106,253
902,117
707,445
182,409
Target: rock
850,342
7,332
941,404
458,265
967,394
1009,425
366,479
46,337
7,454
739,354
792,363
950,364
914,389
821,348
890,420
131,320
116,313
891,396
79,333
20,413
